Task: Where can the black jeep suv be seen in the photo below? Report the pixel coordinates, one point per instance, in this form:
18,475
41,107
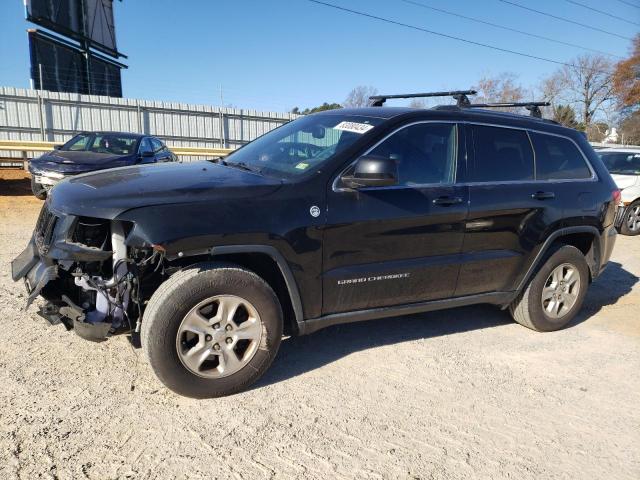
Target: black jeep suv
336,217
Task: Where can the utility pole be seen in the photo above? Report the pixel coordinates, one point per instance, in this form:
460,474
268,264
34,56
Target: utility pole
223,142
40,76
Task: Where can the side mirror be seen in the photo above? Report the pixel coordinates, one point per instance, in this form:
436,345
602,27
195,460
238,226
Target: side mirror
57,147
372,171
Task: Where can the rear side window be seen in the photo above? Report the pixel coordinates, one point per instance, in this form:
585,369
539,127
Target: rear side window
501,155
558,158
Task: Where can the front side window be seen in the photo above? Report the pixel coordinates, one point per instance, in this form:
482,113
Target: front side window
157,144
501,155
621,163
558,158
145,145
425,153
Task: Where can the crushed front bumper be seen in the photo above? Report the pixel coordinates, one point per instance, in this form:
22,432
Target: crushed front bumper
45,267
35,272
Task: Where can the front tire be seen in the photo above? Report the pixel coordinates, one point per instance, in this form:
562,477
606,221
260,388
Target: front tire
556,292
212,330
38,190
631,221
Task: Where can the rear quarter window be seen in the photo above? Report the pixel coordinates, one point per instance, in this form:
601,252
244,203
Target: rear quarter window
558,158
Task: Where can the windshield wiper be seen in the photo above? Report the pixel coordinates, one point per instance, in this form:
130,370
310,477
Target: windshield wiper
240,166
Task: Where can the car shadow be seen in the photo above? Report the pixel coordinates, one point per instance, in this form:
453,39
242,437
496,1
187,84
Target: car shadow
612,284
299,355
15,187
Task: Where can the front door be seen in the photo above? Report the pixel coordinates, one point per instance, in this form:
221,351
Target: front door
395,245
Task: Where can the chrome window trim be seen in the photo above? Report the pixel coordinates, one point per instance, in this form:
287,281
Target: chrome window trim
593,178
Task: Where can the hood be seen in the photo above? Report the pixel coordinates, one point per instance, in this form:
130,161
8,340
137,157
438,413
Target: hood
108,194
80,161
624,181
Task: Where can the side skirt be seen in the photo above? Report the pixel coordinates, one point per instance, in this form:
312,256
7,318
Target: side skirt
502,299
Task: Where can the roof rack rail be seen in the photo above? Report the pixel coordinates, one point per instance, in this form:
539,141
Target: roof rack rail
459,95
533,107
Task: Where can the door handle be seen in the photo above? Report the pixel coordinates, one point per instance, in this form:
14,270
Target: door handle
447,201
543,195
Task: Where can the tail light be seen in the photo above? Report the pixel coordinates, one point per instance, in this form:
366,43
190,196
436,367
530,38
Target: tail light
617,197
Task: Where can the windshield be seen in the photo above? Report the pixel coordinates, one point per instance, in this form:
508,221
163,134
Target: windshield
112,143
622,163
302,145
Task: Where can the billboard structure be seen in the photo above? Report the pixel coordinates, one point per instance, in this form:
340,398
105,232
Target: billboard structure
58,66
85,59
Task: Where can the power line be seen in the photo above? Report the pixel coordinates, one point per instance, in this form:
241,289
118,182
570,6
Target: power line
534,35
629,3
602,12
568,20
452,37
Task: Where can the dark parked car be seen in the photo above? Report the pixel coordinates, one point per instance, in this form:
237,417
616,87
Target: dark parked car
90,151
336,217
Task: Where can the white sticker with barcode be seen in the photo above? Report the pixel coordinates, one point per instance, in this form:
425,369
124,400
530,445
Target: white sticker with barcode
354,127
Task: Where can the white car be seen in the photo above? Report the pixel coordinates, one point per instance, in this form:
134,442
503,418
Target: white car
624,166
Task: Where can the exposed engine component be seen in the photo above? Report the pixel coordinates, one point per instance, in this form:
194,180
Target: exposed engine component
109,311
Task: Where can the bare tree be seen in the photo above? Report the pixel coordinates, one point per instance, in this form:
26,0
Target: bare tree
416,103
501,88
359,96
586,84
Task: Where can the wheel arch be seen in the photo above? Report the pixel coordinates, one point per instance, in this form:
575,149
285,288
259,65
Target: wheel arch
584,238
269,264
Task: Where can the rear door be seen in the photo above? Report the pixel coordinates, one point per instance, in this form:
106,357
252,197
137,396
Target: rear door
509,210
395,245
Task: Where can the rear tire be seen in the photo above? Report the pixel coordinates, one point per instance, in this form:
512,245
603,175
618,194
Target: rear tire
38,190
631,221
555,294
212,330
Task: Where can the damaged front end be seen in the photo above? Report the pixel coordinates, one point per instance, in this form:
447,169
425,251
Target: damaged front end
90,280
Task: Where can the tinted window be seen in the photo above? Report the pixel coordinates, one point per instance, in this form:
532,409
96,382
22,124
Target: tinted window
558,158
157,144
501,155
424,153
622,163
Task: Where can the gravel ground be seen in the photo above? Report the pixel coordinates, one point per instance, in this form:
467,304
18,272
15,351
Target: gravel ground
464,393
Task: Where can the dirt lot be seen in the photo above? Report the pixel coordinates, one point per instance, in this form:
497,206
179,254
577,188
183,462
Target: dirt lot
457,394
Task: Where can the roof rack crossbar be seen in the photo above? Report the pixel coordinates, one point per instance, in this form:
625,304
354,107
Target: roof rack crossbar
533,107
459,95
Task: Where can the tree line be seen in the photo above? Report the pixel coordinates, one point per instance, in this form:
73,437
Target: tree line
590,93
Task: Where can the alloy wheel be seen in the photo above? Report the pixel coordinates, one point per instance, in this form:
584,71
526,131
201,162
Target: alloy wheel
561,291
219,336
633,218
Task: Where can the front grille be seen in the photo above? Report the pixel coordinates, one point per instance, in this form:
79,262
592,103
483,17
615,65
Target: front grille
44,229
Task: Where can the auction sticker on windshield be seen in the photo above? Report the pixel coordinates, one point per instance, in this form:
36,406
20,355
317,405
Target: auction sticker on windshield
354,127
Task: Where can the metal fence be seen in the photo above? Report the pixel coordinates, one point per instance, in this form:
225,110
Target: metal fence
55,117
